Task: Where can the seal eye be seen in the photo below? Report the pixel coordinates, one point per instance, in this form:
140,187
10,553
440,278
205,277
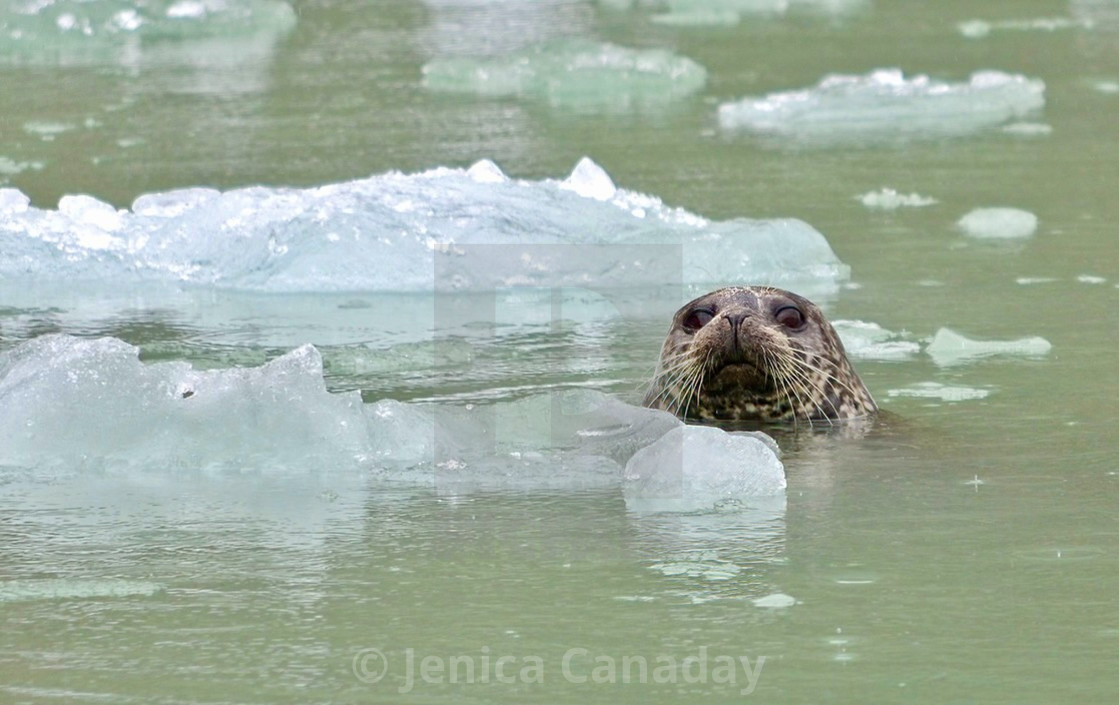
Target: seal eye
790,317
698,319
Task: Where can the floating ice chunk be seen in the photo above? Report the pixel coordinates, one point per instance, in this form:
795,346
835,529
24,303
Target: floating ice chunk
1109,87
575,74
1028,129
978,29
589,180
888,199
998,223
74,589
699,18
1026,281
870,341
70,401
701,468
950,348
391,233
10,167
884,105
777,600
1091,279
943,392
731,12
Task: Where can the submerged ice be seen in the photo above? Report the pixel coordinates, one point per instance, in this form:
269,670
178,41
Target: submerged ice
576,74
885,105
949,348
478,228
72,405
998,223
79,30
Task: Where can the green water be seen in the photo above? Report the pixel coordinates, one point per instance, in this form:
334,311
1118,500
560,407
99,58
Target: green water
966,555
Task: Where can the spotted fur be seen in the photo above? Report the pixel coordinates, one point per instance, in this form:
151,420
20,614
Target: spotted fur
746,361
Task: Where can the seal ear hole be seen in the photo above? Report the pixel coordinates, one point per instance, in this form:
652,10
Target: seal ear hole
698,319
791,317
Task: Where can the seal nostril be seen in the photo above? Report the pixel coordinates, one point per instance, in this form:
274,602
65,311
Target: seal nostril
735,318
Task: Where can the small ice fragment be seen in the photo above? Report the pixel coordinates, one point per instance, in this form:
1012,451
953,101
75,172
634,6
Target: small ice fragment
1091,279
485,171
1028,129
589,180
978,29
998,223
950,348
128,20
1110,87
870,341
777,600
699,468
943,392
974,29
1025,281
698,18
187,9
46,130
888,199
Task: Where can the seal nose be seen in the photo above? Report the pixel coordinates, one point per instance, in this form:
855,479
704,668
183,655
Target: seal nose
735,318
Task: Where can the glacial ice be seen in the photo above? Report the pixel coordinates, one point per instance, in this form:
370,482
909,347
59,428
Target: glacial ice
79,31
885,105
949,348
575,74
998,223
731,12
76,405
978,29
943,392
389,233
73,401
701,468
869,341
888,199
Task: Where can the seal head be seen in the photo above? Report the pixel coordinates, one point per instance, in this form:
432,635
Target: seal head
756,354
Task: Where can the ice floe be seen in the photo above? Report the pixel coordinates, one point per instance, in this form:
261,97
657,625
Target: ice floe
941,392
998,223
978,29
75,405
574,74
949,348
870,341
697,13
885,105
392,233
888,199
700,468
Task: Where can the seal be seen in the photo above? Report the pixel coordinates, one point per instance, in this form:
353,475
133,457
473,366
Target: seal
751,353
